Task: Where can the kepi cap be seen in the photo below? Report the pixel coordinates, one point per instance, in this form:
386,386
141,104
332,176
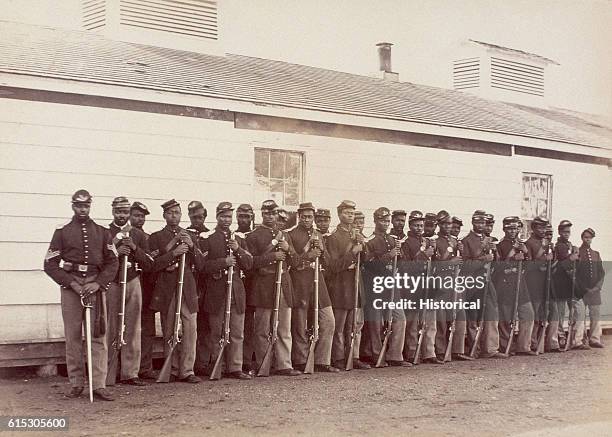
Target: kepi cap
169,204
322,212
224,207
415,215
141,207
588,231
244,208
398,212
81,196
347,204
564,224
359,215
121,202
306,206
381,213
269,205
457,221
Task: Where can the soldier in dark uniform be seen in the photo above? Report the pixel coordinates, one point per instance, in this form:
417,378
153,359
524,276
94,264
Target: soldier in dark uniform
505,276
268,245
244,219
478,251
564,254
323,220
589,276
416,251
398,221
431,221
447,258
535,272
171,242
131,243
198,232
138,214
89,266
307,243
456,227
382,248
343,246
222,252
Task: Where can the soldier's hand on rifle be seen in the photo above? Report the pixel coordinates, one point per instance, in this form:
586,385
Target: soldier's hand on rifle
280,255
394,252
356,248
283,245
429,251
315,243
519,256
129,242
574,257
180,249
359,238
459,246
314,253
154,253
549,257
233,245
230,261
124,250
90,288
76,287
186,238
488,257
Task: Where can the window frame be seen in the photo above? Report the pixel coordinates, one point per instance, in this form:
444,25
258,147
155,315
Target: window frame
528,220
301,184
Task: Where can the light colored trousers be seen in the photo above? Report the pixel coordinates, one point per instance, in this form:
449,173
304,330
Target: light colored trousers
262,328
342,334
595,326
428,347
74,317
300,336
395,348
443,320
184,356
525,327
233,350
130,351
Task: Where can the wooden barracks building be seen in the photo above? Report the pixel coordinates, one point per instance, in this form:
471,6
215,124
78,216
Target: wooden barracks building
143,103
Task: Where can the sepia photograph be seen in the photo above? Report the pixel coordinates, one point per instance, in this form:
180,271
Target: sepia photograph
306,217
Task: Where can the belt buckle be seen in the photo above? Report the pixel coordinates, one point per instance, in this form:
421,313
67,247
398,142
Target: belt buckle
82,268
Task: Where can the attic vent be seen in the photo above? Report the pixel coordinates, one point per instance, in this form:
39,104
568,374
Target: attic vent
186,17
466,73
517,76
94,14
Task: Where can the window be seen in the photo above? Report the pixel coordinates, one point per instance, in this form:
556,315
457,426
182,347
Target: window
279,175
537,198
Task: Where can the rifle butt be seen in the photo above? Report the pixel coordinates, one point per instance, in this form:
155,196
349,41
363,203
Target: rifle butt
350,355
448,353
382,356
266,363
310,361
111,375
166,370
216,371
476,341
510,340
417,353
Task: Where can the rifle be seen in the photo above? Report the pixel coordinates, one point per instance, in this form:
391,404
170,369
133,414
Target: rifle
381,361
448,353
351,351
119,341
484,308
164,374
225,339
571,317
87,305
314,337
544,323
514,320
422,321
266,363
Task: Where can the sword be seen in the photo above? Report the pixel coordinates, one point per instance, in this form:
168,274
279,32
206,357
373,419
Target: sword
87,306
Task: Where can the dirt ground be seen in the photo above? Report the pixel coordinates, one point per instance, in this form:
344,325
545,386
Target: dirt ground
553,394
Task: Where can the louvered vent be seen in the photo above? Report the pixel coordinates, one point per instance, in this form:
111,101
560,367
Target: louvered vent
196,18
517,76
466,73
94,14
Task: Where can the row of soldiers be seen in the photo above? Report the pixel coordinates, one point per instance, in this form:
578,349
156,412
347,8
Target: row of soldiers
83,258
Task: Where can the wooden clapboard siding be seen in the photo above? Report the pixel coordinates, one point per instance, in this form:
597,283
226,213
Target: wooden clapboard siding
27,288
24,322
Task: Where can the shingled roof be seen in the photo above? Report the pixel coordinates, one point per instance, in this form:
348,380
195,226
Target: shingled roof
90,57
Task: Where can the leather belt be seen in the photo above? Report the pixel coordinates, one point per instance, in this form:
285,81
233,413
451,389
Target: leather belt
80,268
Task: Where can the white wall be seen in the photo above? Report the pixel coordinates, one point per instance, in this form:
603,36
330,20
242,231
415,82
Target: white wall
50,150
